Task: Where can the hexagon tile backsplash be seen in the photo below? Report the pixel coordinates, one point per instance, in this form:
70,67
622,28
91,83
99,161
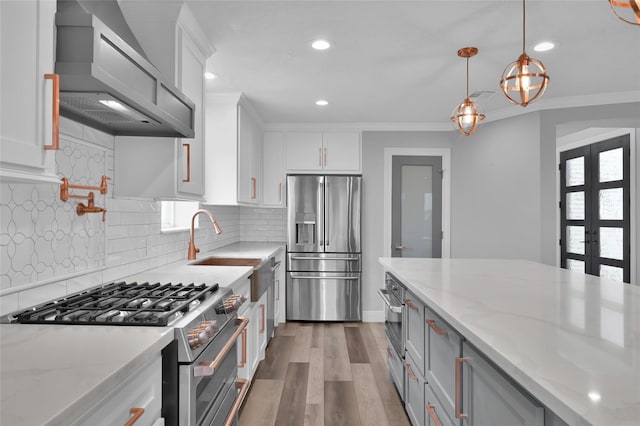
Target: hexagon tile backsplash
43,237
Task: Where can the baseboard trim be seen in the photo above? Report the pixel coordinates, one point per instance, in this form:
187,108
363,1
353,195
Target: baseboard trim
372,316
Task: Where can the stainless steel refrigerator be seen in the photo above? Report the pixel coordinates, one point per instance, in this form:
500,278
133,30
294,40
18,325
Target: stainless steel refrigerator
323,249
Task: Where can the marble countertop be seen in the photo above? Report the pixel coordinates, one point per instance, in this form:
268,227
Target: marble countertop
572,340
53,373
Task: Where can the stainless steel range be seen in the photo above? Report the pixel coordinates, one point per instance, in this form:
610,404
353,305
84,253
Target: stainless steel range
200,383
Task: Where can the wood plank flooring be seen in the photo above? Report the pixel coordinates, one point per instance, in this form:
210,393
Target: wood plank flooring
319,374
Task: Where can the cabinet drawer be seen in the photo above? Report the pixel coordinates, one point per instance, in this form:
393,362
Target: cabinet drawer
414,392
443,345
143,389
436,413
489,399
415,331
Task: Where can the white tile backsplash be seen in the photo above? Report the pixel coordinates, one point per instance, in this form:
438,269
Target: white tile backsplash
42,238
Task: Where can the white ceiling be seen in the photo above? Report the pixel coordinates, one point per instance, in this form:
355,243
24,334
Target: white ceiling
396,62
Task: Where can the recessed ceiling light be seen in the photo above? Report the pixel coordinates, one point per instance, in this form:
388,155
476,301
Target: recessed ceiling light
322,102
320,44
544,46
594,396
209,75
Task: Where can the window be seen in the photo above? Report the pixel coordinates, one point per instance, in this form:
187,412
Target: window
176,215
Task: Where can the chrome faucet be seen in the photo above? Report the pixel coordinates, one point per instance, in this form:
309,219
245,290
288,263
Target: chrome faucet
191,255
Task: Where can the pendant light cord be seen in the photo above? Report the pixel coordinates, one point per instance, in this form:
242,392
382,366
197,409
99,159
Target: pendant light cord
523,25
467,76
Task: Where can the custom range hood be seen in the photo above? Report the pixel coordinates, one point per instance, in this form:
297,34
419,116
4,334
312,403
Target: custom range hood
107,82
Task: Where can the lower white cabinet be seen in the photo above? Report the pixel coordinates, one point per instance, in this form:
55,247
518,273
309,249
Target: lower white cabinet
489,399
414,385
139,394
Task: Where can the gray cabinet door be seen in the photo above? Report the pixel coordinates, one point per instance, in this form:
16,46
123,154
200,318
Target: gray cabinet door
413,392
489,399
415,331
443,345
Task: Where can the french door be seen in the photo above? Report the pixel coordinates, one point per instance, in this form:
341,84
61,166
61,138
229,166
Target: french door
595,209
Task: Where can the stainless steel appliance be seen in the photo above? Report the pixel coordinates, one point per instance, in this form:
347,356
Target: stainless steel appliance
393,296
323,248
200,383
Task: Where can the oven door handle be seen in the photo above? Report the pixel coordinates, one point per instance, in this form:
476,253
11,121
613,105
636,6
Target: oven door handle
208,368
384,295
243,385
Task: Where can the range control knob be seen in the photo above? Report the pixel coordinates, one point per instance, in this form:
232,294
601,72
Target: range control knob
201,333
234,302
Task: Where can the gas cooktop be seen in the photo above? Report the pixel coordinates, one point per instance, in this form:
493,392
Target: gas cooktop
121,303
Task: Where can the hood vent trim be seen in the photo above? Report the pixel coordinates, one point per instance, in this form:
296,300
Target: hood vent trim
96,64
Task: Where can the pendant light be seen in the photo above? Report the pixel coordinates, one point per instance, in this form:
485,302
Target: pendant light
466,116
525,80
628,11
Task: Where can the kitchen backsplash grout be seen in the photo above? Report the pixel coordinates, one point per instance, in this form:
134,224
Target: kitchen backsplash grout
42,238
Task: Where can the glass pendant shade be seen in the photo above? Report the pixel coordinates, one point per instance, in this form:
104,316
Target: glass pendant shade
627,10
524,81
466,117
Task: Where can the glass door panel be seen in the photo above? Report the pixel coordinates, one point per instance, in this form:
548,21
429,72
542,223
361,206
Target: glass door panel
595,209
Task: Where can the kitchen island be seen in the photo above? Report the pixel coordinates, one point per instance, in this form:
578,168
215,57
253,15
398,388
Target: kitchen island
572,341
53,374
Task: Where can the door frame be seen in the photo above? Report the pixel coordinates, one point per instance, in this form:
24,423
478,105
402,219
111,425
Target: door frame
445,154
588,139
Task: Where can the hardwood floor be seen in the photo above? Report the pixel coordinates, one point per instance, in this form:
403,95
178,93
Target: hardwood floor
324,374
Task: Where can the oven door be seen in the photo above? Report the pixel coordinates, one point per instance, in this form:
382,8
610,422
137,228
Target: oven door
393,320
207,383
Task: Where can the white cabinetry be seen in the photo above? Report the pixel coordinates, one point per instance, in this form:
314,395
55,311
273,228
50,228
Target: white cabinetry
169,168
233,151
139,394
323,151
27,125
273,173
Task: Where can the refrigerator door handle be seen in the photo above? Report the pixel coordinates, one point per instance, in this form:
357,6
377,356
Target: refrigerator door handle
312,277
352,259
321,224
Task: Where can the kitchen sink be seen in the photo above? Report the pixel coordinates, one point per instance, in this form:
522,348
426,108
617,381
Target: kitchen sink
228,261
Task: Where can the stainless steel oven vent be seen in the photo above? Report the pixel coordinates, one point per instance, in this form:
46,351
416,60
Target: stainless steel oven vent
96,53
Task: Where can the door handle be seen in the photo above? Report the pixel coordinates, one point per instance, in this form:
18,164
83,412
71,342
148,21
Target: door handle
432,414
188,146
136,413
244,349
399,247
310,277
384,295
55,112
458,378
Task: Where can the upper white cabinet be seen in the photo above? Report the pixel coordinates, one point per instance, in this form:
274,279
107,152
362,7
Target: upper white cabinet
323,151
233,151
169,168
27,121
273,172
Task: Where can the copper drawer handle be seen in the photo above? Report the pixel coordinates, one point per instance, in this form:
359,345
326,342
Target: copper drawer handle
208,368
390,353
262,322
320,157
188,146
280,191
434,327
136,414
409,371
243,385
325,157
253,188
244,349
432,414
277,289
458,378
410,305
55,111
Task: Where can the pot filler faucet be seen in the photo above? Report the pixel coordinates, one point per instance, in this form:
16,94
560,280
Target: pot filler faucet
191,255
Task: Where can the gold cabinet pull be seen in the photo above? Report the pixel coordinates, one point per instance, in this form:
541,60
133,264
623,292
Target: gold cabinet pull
434,327
432,414
55,111
244,349
262,322
458,378
409,371
277,289
390,353
243,385
410,305
325,157
136,413
280,191
188,146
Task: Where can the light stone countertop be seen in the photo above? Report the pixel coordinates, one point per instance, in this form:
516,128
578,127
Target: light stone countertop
572,340
53,373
